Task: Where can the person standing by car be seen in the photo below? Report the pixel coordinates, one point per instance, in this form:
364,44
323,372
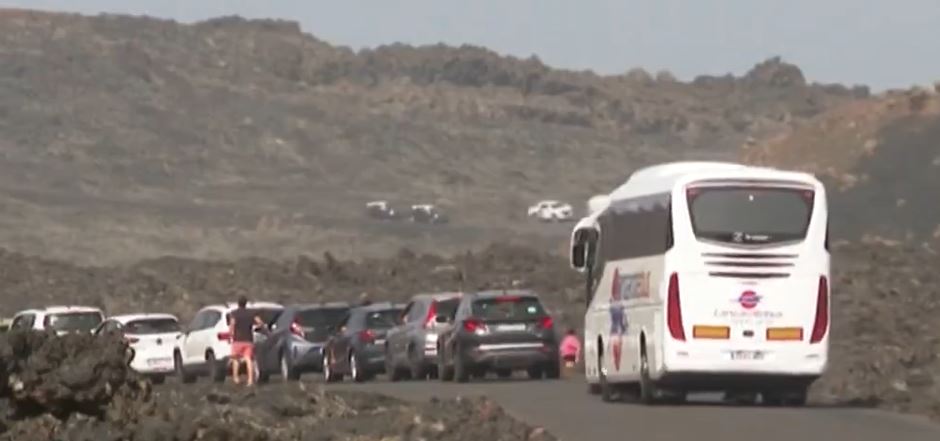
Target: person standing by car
570,349
241,327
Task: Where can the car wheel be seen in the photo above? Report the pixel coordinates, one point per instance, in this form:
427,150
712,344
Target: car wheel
461,370
328,375
504,373
552,371
288,372
444,373
181,373
606,389
261,376
158,379
216,370
535,372
649,393
356,371
416,365
394,374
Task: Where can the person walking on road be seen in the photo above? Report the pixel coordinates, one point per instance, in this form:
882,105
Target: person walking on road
570,348
241,324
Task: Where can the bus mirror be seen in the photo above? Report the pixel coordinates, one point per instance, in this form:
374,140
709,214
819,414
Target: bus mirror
581,238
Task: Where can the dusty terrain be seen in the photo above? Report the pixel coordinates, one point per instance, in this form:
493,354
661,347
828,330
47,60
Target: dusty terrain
128,137
884,338
881,158
77,388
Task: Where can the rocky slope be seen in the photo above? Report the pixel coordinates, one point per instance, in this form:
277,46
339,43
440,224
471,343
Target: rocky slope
130,137
78,388
885,336
881,158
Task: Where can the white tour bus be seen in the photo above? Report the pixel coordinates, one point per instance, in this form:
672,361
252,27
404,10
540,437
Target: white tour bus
706,277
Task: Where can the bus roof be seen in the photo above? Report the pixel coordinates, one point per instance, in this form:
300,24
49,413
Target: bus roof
664,177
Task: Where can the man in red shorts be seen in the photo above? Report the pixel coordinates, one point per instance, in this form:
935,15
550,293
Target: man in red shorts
241,327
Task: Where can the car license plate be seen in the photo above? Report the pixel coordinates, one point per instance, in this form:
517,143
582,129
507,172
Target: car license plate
379,342
158,361
747,355
512,327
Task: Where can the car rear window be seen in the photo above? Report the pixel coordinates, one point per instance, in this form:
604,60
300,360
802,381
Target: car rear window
508,308
267,314
383,319
321,316
152,326
446,307
73,321
750,215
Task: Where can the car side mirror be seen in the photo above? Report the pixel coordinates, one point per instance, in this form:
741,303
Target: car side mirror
441,319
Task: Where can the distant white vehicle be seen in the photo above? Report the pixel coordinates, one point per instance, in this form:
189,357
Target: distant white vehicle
61,319
551,210
151,337
427,214
381,210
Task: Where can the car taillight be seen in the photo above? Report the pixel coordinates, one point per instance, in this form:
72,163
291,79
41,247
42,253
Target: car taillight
224,336
432,312
367,336
546,322
821,323
473,325
296,329
674,309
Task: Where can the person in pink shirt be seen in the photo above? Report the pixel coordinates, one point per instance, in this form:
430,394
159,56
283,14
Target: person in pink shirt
570,348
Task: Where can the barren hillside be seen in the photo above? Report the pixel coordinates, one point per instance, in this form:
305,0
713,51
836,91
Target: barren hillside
882,158
129,137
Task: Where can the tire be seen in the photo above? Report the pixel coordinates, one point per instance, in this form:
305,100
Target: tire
504,373
648,391
261,376
416,366
356,371
216,374
444,373
181,373
605,388
795,398
535,372
288,371
158,379
394,374
552,371
328,375
461,370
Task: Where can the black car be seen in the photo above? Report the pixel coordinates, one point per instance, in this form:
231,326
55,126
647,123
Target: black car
499,331
357,346
295,342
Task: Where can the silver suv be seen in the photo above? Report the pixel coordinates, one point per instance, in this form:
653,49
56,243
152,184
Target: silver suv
411,346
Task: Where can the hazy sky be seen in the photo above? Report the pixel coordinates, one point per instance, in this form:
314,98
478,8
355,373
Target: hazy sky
881,43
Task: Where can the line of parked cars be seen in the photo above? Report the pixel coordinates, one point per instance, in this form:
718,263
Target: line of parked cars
451,336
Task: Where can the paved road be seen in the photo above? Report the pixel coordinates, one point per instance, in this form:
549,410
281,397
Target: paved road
565,409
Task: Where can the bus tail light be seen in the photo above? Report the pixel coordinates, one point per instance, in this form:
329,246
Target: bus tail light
674,311
821,323
785,334
711,332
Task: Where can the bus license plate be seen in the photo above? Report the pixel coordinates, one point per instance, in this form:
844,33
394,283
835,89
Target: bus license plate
747,355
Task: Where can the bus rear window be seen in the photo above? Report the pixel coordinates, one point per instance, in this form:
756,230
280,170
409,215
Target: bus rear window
750,215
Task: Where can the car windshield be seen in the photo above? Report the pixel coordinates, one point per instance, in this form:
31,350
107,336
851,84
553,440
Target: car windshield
73,321
508,307
161,325
321,317
755,215
383,319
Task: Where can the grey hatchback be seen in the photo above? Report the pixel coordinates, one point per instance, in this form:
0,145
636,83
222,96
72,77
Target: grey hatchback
500,331
411,347
295,343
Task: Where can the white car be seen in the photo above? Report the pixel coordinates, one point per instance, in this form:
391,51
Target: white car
61,319
152,338
203,348
551,210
